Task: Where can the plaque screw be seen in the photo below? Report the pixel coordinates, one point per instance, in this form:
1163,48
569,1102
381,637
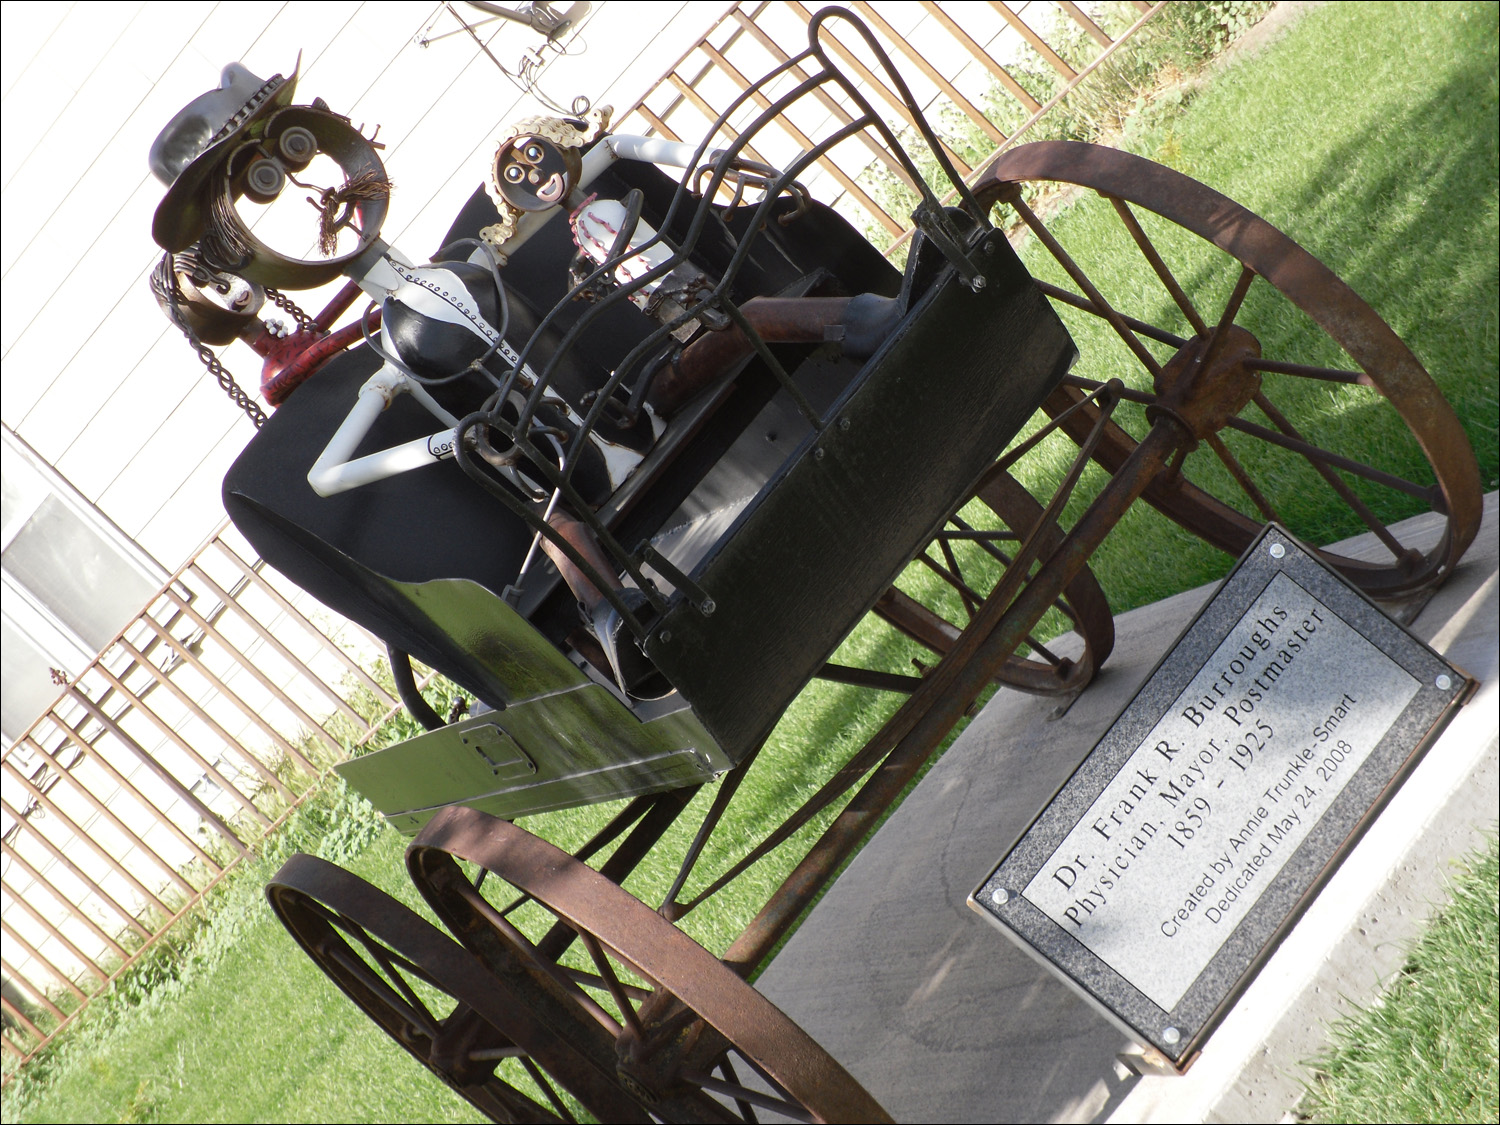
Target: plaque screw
1444,683
1278,551
1000,895
1171,1034
666,636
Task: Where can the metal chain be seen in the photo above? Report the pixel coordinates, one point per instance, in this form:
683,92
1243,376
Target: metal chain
287,305
225,380
166,280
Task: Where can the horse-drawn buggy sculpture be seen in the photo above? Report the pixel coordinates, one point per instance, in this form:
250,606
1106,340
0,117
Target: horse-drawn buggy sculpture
630,458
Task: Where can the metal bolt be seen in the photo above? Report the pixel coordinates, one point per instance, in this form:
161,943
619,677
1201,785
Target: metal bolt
707,607
844,423
665,635
1000,895
1278,550
1444,683
1170,1035
818,454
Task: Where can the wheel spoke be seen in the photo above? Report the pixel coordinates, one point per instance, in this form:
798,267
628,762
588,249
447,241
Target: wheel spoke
1140,327
1242,478
1346,493
1226,318
744,1094
984,540
594,980
700,1010
1128,394
1148,249
1318,455
1100,306
360,970
552,1096
388,961
1307,371
376,949
726,1068
963,531
868,678
612,982
1042,651
970,597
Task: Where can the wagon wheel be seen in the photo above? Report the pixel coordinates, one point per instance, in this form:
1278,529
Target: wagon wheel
972,550
692,1040
1184,355
405,974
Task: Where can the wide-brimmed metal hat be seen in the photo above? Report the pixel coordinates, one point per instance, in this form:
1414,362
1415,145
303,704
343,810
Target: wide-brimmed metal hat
200,138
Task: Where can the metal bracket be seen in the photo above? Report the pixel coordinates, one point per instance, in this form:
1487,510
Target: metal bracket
650,556
935,222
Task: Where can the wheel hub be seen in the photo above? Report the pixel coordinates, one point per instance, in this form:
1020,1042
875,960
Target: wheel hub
1203,386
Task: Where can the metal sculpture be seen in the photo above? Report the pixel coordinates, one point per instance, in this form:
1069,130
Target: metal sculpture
698,427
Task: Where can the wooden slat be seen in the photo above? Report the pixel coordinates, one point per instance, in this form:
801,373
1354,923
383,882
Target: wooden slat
74,908
875,210
45,800
265,681
711,113
326,642
1081,18
821,93
145,662
983,57
280,649
56,934
886,94
182,744
193,661
62,978
969,109
164,775
657,123
77,738
82,790
78,873
1052,58
20,1017
37,994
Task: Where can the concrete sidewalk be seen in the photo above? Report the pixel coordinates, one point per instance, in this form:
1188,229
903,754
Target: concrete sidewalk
943,1019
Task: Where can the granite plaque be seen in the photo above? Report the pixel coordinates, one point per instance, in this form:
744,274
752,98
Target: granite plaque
1166,869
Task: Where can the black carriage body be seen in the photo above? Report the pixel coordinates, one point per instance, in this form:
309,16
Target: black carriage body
818,523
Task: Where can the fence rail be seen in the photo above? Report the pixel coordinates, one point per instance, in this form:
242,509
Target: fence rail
972,65
183,744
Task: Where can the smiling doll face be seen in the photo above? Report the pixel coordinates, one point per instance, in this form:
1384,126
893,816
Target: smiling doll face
534,174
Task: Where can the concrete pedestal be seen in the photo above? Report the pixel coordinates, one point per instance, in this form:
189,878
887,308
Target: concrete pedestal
943,1019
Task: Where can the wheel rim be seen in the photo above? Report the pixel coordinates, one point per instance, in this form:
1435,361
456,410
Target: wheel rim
1249,440
399,970
970,554
688,1033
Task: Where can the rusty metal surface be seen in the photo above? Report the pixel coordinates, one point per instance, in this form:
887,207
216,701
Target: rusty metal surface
1082,600
662,1052
1384,363
395,967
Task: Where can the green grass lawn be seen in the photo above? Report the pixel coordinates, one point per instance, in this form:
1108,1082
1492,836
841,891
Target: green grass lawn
1368,134
1427,1051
